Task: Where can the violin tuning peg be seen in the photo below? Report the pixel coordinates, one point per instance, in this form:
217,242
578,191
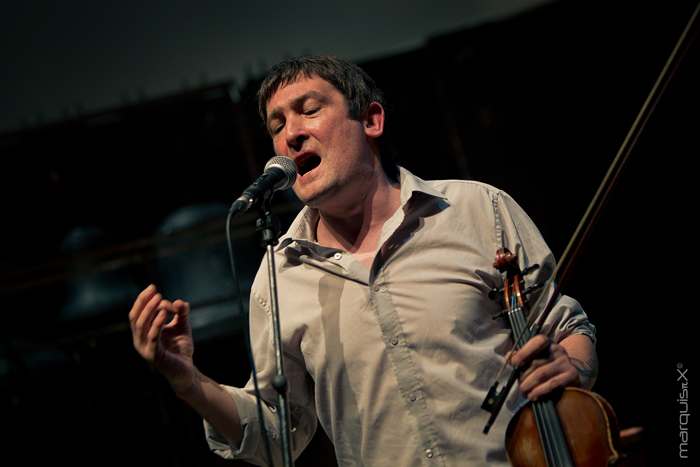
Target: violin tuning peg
500,315
528,270
532,288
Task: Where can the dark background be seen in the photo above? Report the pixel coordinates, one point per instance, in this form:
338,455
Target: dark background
537,105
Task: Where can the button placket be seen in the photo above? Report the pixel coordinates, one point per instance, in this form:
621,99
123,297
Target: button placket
405,372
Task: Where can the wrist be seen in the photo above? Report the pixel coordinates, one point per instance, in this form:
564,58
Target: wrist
187,389
584,376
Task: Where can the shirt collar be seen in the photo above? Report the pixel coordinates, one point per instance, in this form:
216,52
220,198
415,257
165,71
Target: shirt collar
303,227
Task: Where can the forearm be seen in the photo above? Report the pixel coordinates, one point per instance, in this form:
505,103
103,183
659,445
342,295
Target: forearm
210,400
583,356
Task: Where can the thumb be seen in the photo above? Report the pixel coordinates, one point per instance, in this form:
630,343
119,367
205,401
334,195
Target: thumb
182,310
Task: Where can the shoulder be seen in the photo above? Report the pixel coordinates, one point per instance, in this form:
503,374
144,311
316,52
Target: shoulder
451,190
470,195
465,188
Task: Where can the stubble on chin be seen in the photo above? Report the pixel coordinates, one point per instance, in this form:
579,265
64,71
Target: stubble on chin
313,198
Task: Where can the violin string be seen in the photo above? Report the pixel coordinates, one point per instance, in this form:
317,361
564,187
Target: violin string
553,442
545,435
517,327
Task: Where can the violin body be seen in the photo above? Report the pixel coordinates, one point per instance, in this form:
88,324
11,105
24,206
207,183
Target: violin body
588,423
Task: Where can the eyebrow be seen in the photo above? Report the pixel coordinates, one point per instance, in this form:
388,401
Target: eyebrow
276,113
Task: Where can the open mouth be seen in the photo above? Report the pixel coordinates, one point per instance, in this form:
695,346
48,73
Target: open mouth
308,164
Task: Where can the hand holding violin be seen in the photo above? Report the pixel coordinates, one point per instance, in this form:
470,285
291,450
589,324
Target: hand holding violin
548,366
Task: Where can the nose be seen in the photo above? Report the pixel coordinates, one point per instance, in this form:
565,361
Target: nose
295,133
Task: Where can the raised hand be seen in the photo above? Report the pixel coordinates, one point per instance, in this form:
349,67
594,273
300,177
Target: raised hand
168,346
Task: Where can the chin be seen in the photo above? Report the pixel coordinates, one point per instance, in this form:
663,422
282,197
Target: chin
313,199
303,195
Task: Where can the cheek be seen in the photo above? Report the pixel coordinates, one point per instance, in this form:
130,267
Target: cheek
344,136
279,147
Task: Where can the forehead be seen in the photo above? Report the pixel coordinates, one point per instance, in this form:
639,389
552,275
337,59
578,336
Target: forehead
300,87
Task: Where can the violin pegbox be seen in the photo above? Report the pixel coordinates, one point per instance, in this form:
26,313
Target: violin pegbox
512,292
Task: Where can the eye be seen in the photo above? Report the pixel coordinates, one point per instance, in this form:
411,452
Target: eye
276,129
311,110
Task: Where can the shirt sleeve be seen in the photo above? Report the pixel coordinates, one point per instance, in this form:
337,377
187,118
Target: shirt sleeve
303,412
521,236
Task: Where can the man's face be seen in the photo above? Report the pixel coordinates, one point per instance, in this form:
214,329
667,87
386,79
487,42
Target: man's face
309,123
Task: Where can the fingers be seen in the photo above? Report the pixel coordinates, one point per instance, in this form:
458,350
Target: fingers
531,349
181,308
146,318
547,376
156,326
547,367
141,301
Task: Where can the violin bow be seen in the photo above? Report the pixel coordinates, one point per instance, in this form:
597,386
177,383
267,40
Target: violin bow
494,400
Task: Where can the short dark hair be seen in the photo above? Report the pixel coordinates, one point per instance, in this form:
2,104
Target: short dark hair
356,86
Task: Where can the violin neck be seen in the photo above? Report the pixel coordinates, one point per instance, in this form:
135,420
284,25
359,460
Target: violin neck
518,321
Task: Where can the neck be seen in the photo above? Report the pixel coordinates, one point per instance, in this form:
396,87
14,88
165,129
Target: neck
356,227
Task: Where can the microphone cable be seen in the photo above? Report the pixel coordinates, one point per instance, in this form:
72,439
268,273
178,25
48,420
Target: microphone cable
245,323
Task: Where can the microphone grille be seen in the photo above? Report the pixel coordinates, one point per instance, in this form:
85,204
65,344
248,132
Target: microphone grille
289,168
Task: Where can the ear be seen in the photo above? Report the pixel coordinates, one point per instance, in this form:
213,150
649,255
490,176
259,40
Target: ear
374,120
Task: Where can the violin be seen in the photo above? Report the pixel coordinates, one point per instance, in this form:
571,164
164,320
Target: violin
572,428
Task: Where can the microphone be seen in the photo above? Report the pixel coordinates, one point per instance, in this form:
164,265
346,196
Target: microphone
280,173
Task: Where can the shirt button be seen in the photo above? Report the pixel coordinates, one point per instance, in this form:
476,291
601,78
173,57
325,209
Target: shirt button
394,340
375,288
429,452
412,397
337,256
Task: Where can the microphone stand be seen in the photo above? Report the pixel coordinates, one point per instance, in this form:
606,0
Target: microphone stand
268,226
